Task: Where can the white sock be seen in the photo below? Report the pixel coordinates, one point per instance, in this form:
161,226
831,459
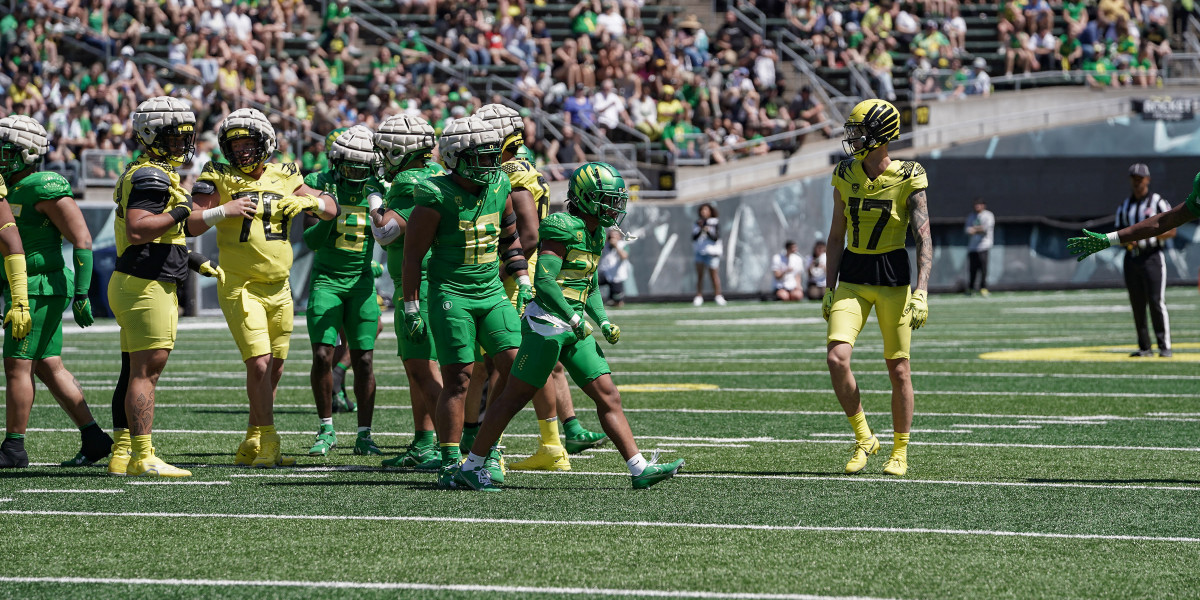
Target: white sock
474,461
328,421
637,464
366,429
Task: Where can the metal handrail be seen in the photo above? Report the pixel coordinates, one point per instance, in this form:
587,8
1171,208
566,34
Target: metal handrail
825,91
375,12
1191,34
495,80
742,7
642,139
780,136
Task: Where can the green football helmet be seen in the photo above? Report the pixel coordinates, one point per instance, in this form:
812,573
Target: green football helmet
526,154
597,189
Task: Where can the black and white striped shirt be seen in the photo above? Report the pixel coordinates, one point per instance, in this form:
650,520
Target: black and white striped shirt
1132,211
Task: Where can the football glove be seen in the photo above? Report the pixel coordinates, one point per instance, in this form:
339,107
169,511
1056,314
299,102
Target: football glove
376,269
917,309
82,307
827,304
611,332
414,325
1090,243
580,327
524,296
18,316
291,206
208,269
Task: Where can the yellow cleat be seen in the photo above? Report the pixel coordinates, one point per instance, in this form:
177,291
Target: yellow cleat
118,463
896,465
861,450
247,451
268,454
149,465
547,458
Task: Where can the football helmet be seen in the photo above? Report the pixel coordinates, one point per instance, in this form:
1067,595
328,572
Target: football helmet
166,126
524,153
870,125
246,123
402,139
471,149
507,122
597,189
352,155
23,143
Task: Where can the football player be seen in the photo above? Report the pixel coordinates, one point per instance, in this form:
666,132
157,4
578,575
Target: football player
405,145
467,220
1092,242
341,293
879,199
251,201
530,199
152,259
553,328
45,211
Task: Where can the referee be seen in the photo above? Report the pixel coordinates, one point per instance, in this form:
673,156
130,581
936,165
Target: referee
1145,269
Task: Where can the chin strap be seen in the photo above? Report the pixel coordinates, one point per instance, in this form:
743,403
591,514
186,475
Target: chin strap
628,237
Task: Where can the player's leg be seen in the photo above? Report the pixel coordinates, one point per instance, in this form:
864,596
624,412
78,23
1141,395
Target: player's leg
1135,283
341,363
121,449
897,338
324,316
425,386
18,401
500,336
452,327
276,301
94,443
983,269
578,439
360,322
479,385
145,367
550,454
851,305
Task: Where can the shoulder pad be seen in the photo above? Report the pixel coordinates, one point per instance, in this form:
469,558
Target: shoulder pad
906,169
425,192
514,166
214,167
150,178
559,226
50,185
842,171
289,168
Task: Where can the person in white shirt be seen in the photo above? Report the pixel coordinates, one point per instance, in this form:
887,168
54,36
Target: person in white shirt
980,83
610,108
706,252
787,267
980,226
612,21
614,268
815,269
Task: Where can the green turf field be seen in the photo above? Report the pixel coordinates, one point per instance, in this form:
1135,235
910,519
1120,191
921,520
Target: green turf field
1063,479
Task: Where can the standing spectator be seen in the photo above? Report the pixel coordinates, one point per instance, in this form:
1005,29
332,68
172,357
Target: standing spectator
980,83
610,108
614,267
815,269
707,250
981,228
786,267
1145,269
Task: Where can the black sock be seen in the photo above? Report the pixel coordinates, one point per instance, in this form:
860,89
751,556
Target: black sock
568,420
120,421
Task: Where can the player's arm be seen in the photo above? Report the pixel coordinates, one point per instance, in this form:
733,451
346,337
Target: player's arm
835,245
14,269
549,294
205,266
416,245
146,217
68,219
316,202
316,231
595,309
525,207
207,209
1158,224
918,219
387,224
516,265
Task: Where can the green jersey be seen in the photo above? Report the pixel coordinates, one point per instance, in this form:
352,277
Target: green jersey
344,246
465,257
48,272
400,199
583,256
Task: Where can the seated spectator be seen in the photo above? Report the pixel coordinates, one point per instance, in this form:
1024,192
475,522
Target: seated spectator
980,83
1156,36
610,108
787,267
584,17
1075,14
853,51
920,75
1044,45
815,271
907,26
877,23
731,35
579,109
805,110
880,64
802,17
933,42
1145,73
668,105
611,21
1069,51
1019,54
955,29
678,137
1099,69
566,154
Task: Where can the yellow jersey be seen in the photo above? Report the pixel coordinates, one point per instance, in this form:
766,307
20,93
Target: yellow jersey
3,189
152,186
525,176
876,213
255,249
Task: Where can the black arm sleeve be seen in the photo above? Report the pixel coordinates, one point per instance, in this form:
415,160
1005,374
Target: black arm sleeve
195,259
149,190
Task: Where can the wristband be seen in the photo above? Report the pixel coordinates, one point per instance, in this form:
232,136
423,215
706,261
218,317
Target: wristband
575,319
523,280
321,203
605,323
374,202
213,216
412,306
1114,239
179,213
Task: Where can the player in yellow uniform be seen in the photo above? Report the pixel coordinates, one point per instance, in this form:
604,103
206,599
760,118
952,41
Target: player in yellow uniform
878,199
251,201
12,449
531,202
152,259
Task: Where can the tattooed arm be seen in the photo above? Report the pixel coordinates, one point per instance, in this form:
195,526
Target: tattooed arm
918,219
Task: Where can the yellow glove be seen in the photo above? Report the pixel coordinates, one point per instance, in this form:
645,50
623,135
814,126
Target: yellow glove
208,269
917,309
291,206
3,188
827,304
18,284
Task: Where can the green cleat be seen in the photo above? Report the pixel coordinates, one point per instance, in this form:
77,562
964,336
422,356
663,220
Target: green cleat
326,441
656,473
445,476
467,440
589,439
479,480
79,461
495,463
342,402
365,445
420,458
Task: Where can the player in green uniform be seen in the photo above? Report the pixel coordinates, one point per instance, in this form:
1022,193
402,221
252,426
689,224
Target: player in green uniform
554,330
1092,242
44,210
404,145
341,293
467,220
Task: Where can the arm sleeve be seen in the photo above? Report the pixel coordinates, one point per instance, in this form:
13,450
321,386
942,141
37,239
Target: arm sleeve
150,190
83,271
1193,199
545,284
595,304
317,234
195,259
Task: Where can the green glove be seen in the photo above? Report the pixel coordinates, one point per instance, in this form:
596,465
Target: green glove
524,296
82,307
414,325
580,327
1090,244
611,332
827,304
376,269
918,309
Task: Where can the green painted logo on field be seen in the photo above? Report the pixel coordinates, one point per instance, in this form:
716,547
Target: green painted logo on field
1186,352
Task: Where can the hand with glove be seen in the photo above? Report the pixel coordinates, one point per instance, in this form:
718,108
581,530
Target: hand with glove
1091,243
611,332
524,294
917,309
293,205
376,269
208,269
414,325
82,307
827,304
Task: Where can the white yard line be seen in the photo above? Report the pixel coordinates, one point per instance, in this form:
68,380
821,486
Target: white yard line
184,482
618,524
994,426
99,491
283,475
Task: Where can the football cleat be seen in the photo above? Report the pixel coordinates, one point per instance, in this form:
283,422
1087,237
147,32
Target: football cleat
479,480
96,444
896,465
445,476
326,441
342,402
247,451
860,452
149,465
118,461
494,464
79,461
268,454
365,445
419,458
579,443
13,456
656,473
547,458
